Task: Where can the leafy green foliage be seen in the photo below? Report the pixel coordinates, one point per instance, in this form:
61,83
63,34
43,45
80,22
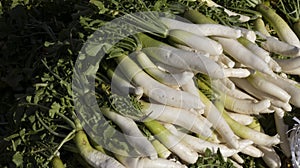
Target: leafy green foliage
33,102
212,160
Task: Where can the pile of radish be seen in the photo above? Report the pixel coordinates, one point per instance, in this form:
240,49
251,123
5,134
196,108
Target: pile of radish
202,87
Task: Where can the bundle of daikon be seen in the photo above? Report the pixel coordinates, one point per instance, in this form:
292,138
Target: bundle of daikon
193,84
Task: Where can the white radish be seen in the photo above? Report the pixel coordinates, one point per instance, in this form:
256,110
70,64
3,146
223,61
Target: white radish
253,47
158,163
226,60
202,29
247,34
200,43
190,87
138,162
187,48
132,133
92,156
186,119
289,64
228,83
292,89
244,55
168,68
162,151
274,45
172,142
274,65
241,118
283,30
238,158
245,85
186,60
201,145
282,130
121,86
155,90
245,106
295,71
236,72
163,77
259,82
215,117
270,157
248,133
252,151
221,87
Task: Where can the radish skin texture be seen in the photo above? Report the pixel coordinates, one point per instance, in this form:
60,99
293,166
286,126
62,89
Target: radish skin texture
92,156
241,118
220,87
200,43
163,77
292,89
157,91
253,47
215,117
182,59
289,64
180,117
187,48
121,86
247,34
228,83
190,87
243,55
219,30
274,45
252,151
295,71
274,65
226,60
270,88
245,85
202,29
247,133
172,142
185,60
200,145
238,158
282,29
270,157
158,163
246,106
162,151
132,133
282,130
259,25
168,68
236,72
